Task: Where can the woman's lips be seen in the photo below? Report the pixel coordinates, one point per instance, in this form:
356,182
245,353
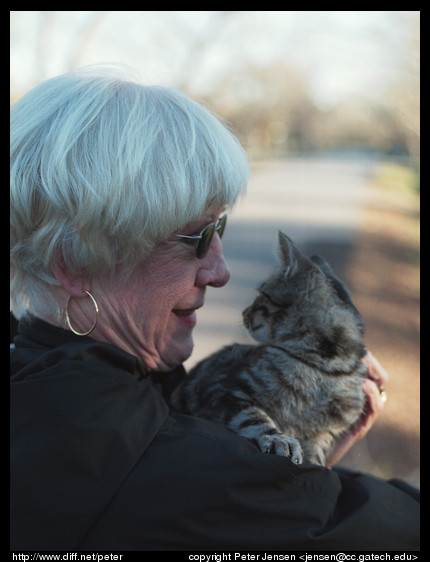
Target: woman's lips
187,316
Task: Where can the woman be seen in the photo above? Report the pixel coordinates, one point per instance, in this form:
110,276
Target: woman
119,194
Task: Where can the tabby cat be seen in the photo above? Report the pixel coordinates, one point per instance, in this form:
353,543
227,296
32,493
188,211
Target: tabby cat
300,388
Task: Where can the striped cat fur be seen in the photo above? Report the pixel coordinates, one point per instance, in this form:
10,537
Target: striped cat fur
299,388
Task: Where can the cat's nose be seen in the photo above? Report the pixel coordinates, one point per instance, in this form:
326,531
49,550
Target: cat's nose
247,319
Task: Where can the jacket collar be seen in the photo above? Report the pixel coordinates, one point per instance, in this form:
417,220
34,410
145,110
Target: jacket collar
36,334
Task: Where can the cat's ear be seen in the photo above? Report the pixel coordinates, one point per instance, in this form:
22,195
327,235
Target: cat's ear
323,265
326,268
292,259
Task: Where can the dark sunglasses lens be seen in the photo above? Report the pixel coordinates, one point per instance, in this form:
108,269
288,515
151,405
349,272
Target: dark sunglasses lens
207,235
205,241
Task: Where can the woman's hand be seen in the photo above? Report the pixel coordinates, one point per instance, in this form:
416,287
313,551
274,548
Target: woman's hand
373,387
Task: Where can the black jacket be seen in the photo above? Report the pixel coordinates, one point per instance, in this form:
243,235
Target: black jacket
100,462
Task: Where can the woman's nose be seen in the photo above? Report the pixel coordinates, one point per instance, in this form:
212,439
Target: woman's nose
213,270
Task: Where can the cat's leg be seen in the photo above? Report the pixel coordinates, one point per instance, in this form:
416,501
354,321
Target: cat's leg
254,424
316,448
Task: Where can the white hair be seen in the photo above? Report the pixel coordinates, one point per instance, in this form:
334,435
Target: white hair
103,168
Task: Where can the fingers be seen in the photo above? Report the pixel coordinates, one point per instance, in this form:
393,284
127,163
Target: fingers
374,406
376,371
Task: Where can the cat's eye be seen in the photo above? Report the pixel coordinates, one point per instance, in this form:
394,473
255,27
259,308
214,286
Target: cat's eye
270,299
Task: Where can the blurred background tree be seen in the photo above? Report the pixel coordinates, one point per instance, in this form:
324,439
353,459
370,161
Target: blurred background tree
287,82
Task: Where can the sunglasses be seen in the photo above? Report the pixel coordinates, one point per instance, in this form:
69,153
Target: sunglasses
203,240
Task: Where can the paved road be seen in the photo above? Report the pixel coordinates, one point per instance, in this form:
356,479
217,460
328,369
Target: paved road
316,201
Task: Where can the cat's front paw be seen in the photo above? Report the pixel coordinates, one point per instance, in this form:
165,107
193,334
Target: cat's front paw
279,444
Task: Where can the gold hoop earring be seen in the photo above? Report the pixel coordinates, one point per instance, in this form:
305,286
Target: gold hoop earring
95,321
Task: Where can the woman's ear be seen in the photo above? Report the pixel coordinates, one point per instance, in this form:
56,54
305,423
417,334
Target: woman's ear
74,284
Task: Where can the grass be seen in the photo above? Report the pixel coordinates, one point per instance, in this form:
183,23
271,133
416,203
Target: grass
397,177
